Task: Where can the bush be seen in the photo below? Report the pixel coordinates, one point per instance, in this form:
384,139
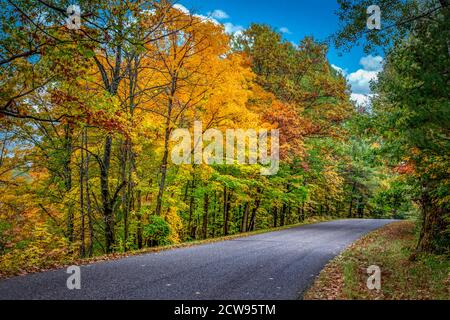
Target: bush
156,232
43,250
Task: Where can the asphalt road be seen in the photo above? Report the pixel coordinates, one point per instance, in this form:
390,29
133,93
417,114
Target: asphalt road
270,266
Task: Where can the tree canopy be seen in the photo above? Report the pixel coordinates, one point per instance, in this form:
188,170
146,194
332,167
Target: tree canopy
87,117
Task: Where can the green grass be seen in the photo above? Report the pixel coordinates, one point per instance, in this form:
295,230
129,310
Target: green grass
390,248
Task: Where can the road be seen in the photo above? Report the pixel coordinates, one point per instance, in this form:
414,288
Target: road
270,266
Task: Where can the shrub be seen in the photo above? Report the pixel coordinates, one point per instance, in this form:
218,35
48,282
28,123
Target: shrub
44,250
156,232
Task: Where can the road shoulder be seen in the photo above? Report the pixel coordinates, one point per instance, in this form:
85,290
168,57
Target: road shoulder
389,248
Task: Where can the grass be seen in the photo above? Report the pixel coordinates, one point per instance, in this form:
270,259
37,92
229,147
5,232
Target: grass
345,277
4,274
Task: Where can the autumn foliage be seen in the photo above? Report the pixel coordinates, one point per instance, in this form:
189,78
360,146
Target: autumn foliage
86,121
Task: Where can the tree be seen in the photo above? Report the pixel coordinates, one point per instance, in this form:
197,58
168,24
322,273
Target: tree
413,110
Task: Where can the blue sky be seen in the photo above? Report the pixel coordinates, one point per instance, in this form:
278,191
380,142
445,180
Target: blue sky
295,19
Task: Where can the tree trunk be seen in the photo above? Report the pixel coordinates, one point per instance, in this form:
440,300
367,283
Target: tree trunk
275,217
88,196
123,172
350,209
128,194
68,136
205,216
360,209
191,207
165,159
251,226
162,182
432,237
82,177
283,215
226,210
214,215
139,219
108,214
302,212
245,217
111,84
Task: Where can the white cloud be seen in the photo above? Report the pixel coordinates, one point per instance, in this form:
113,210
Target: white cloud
213,17
338,69
361,79
285,30
219,14
371,63
361,99
239,33
181,8
205,18
233,29
184,10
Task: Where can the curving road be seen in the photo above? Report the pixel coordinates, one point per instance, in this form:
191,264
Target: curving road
270,266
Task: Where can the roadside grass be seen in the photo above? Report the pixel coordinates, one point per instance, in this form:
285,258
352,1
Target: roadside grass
16,270
345,277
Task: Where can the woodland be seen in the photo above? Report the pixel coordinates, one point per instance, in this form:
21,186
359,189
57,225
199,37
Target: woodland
86,117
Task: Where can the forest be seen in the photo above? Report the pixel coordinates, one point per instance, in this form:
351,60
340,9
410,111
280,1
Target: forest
87,115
